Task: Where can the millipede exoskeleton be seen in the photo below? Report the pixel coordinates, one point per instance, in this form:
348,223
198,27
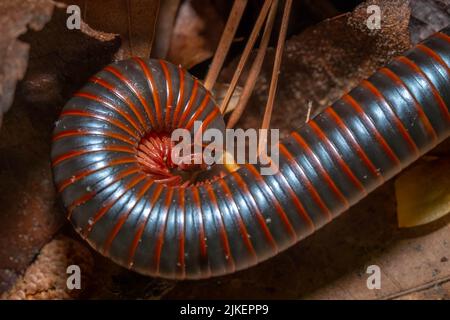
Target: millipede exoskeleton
112,166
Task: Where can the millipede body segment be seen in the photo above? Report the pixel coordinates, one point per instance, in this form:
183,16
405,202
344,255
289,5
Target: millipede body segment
112,166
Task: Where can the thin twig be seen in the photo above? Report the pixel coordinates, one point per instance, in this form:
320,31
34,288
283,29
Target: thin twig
225,42
262,147
246,53
418,288
277,65
255,68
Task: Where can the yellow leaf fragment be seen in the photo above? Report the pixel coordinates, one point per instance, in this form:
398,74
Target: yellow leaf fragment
423,193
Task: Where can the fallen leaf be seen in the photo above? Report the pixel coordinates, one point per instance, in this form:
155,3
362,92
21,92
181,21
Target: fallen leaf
197,32
423,193
133,20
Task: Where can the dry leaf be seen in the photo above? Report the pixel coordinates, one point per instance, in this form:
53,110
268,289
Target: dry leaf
423,193
197,32
219,91
134,20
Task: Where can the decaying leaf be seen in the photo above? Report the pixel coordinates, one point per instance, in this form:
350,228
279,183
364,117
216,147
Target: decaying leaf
219,91
198,28
134,20
423,193
15,19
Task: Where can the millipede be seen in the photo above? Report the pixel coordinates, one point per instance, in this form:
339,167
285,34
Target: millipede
111,160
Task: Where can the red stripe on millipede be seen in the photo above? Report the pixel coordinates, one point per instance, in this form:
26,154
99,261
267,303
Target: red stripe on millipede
436,57
181,233
306,182
169,91
202,236
437,96
180,97
130,86
124,216
74,178
259,217
422,116
72,154
199,111
88,196
371,126
272,198
332,149
297,203
81,132
322,170
160,233
117,93
222,231
240,221
153,90
110,106
442,36
80,113
392,115
354,143
141,226
189,105
205,123
106,208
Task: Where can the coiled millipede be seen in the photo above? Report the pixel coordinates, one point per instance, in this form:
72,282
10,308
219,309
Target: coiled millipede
111,163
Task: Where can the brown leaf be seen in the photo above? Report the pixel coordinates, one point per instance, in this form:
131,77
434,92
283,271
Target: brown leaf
198,28
423,193
134,20
15,18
